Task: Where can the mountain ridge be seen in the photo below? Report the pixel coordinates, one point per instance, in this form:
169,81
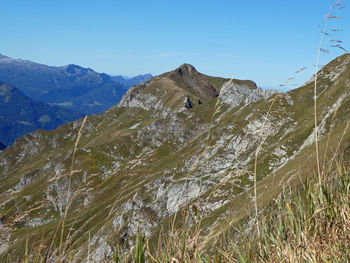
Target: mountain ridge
70,86
150,158
20,115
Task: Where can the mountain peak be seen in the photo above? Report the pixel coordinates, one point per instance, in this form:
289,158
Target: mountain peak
187,69
195,82
3,57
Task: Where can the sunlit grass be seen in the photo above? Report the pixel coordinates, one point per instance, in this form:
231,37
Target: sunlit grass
307,225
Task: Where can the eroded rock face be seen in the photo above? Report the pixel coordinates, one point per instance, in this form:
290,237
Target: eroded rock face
5,236
188,103
235,94
135,99
135,167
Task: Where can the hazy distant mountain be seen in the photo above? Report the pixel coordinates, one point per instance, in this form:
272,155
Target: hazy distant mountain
73,87
20,115
129,82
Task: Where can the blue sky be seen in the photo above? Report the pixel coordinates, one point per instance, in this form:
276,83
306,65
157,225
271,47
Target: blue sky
265,41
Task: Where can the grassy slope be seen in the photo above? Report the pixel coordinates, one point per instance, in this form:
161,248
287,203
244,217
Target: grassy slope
309,223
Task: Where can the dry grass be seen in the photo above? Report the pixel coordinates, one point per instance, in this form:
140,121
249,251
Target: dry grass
307,226
68,201
338,5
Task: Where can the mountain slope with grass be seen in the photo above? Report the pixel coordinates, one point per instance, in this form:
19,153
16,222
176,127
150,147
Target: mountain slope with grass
71,86
21,115
182,150
312,222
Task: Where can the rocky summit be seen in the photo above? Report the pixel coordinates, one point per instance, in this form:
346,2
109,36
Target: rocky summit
180,143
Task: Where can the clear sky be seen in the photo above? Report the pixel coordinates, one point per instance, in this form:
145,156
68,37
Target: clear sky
265,41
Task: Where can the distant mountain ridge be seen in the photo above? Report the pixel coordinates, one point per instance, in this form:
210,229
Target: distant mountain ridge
71,86
126,81
20,115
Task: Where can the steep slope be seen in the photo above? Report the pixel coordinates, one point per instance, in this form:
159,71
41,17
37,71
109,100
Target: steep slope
142,162
20,115
73,87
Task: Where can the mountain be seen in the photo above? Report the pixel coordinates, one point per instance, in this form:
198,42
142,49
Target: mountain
20,115
73,87
129,82
181,146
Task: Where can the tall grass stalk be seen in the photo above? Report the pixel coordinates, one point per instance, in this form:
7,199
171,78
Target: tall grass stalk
69,187
256,160
320,49
140,249
323,33
309,226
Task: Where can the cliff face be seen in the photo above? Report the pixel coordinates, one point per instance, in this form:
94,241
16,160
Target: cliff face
144,160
